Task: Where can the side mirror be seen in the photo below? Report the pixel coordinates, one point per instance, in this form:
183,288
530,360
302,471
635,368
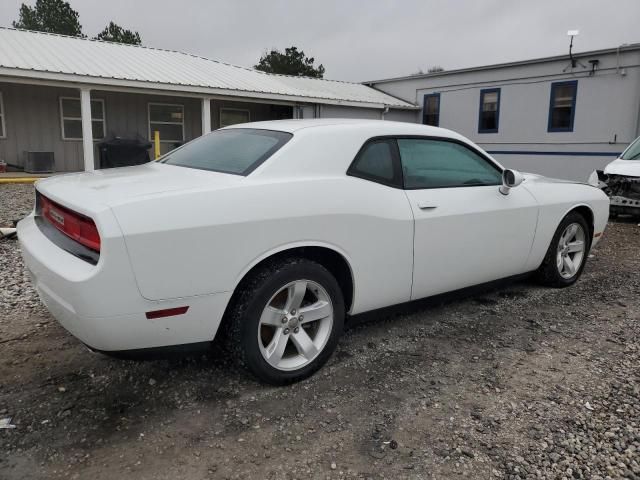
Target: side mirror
510,179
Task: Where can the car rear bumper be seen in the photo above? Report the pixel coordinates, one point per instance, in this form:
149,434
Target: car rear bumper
101,304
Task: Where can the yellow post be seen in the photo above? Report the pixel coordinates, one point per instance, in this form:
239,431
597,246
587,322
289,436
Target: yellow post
156,142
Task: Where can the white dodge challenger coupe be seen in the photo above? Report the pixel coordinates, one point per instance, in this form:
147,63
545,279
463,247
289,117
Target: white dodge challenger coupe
270,233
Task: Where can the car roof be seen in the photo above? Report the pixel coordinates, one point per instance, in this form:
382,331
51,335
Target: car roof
326,146
373,127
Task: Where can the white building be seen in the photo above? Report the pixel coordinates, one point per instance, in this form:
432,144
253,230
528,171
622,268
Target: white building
548,115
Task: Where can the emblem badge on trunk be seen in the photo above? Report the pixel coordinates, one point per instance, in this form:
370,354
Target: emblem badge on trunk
56,216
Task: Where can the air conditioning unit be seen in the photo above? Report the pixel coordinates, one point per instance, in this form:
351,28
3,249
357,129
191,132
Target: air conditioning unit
39,162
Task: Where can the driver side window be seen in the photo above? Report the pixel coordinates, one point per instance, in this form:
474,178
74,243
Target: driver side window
440,164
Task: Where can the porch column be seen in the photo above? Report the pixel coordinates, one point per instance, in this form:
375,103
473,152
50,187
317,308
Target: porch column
87,130
206,115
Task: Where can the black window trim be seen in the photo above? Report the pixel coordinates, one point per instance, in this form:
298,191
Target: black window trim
398,164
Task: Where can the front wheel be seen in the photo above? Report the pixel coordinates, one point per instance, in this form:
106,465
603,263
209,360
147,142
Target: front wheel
567,254
287,320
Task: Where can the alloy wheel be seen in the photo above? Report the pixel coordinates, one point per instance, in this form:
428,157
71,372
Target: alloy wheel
295,325
571,250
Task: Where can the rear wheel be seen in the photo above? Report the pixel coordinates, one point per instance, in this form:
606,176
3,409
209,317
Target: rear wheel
567,254
287,320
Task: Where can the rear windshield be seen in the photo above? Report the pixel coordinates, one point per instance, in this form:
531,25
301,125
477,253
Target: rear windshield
238,150
633,151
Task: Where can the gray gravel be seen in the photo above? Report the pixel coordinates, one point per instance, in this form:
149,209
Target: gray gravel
511,382
16,201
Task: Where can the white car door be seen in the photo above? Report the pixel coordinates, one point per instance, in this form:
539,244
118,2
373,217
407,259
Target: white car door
466,231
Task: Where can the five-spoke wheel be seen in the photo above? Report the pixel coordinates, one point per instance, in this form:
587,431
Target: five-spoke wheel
571,249
295,325
287,320
567,252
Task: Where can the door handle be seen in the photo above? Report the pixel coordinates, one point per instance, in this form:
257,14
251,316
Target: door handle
426,206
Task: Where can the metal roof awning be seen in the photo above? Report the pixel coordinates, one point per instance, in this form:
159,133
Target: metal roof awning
58,58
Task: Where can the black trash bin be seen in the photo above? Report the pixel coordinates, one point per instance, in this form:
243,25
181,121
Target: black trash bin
123,151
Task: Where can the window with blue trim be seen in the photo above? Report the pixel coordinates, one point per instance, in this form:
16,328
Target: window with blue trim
489,116
562,106
431,110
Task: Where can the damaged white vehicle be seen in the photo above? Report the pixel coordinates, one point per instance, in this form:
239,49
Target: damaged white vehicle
620,180
270,233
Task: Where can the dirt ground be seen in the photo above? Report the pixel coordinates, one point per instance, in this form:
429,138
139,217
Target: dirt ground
515,381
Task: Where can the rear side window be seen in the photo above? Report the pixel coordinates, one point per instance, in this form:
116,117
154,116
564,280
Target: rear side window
440,164
237,151
375,162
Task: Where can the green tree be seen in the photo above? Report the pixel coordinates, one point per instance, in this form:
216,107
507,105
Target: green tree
292,62
52,16
115,33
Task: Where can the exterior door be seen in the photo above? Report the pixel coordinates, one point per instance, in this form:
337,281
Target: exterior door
466,231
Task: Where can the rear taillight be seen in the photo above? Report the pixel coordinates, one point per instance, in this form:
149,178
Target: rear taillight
74,225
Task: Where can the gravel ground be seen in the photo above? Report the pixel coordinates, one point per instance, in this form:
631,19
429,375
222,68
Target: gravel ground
515,381
16,292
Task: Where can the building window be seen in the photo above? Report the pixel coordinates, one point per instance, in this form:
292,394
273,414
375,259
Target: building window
489,116
562,107
431,110
168,120
3,131
231,116
71,119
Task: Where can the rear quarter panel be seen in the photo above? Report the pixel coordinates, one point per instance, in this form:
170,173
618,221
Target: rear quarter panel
201,242
556,199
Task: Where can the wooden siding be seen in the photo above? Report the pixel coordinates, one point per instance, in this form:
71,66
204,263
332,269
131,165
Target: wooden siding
32,119
127,114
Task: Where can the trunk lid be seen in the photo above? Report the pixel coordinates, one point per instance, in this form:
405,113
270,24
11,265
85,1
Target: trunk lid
93,191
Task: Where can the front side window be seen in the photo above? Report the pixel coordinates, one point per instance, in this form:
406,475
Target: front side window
233,116
431,163
71,123
562,107
168,120
237,151
375,162
632,152
489,110
431,110
3,130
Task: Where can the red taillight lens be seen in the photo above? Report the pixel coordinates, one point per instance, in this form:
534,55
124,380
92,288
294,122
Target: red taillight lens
74,225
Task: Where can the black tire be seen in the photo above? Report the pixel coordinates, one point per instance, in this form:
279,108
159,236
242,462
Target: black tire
253,296
548,273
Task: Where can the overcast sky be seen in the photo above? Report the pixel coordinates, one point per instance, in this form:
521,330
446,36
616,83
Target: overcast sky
361,40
